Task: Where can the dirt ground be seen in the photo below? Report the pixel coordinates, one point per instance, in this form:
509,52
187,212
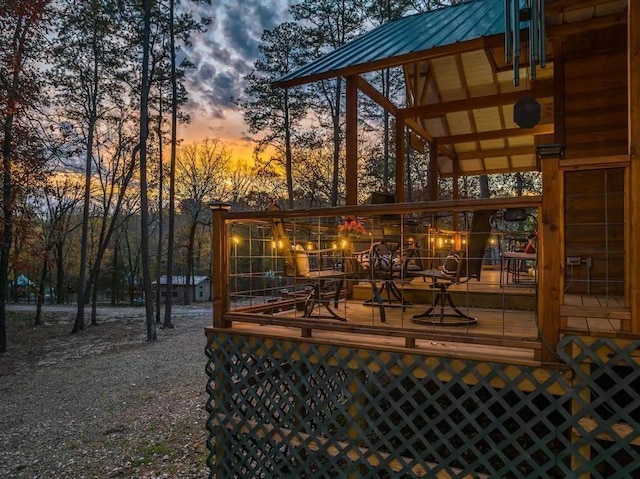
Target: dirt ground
103,403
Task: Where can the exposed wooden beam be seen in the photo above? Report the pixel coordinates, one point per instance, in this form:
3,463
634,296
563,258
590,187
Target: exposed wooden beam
421,131
517,150
365,87
368,89
492,171
496,134
540,89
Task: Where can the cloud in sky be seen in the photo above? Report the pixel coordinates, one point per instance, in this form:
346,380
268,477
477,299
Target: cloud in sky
222,57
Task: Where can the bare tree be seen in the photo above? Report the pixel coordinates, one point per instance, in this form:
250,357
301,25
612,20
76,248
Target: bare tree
88,54
61,199
202,171
144,201
22,30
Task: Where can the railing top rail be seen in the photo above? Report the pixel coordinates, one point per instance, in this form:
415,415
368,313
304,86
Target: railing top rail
397,208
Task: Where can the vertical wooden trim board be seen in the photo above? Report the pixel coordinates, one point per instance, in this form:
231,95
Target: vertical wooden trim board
400,174
351,142
633,85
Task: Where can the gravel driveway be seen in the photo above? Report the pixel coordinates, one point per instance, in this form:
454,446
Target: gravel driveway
105,403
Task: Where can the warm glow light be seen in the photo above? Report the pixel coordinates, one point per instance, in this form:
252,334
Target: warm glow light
235,239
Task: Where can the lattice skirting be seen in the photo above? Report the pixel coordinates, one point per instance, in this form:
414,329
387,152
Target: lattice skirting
285,409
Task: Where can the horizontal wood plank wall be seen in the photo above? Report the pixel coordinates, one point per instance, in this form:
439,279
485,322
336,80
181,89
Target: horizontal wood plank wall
596,94
595,231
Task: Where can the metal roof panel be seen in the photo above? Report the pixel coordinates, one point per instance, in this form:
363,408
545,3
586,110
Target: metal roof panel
415,33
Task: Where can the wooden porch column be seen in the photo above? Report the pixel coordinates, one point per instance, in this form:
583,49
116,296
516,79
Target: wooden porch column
220,263
549,257
433,172
351,142
400,151
633,193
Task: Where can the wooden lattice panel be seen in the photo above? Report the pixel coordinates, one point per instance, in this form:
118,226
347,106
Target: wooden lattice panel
299,409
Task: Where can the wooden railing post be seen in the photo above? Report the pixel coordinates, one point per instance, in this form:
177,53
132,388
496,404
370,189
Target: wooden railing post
550,234
633,183
220,263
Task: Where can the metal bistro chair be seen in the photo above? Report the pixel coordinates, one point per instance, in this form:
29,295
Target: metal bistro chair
459,268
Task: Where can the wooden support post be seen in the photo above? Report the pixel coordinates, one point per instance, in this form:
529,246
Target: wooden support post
549,258
633,193
351,142
220,263
400,151
456,196
433,172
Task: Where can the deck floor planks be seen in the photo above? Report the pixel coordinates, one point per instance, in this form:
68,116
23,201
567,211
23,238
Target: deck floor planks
510,324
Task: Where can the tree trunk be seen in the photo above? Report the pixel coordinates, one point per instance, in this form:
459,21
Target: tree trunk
94,304
7,231
144,202
287,150
115,289
84,242
484,186
43,277
172,173
61,295
189,275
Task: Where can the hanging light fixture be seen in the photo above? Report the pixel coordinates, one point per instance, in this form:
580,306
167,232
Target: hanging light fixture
526,111
517,12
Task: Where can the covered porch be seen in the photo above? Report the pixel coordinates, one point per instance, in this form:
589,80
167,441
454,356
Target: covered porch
544,381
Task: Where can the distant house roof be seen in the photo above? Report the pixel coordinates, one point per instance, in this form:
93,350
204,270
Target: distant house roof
22,280
181,280
401,38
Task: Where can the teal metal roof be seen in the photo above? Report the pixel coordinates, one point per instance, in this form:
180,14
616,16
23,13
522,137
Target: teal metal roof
445,26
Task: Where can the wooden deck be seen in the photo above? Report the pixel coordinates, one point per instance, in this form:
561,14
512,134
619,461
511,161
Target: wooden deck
506,328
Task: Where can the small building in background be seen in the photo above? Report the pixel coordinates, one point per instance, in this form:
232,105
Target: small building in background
199,289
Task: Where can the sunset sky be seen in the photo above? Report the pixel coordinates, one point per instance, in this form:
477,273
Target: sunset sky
223,56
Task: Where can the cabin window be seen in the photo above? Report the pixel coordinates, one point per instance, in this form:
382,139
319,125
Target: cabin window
594,232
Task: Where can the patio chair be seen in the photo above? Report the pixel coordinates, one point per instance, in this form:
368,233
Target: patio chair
324,282
393,262
459,268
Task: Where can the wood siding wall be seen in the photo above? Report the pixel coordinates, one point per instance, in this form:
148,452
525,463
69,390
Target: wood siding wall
596,94
594,231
